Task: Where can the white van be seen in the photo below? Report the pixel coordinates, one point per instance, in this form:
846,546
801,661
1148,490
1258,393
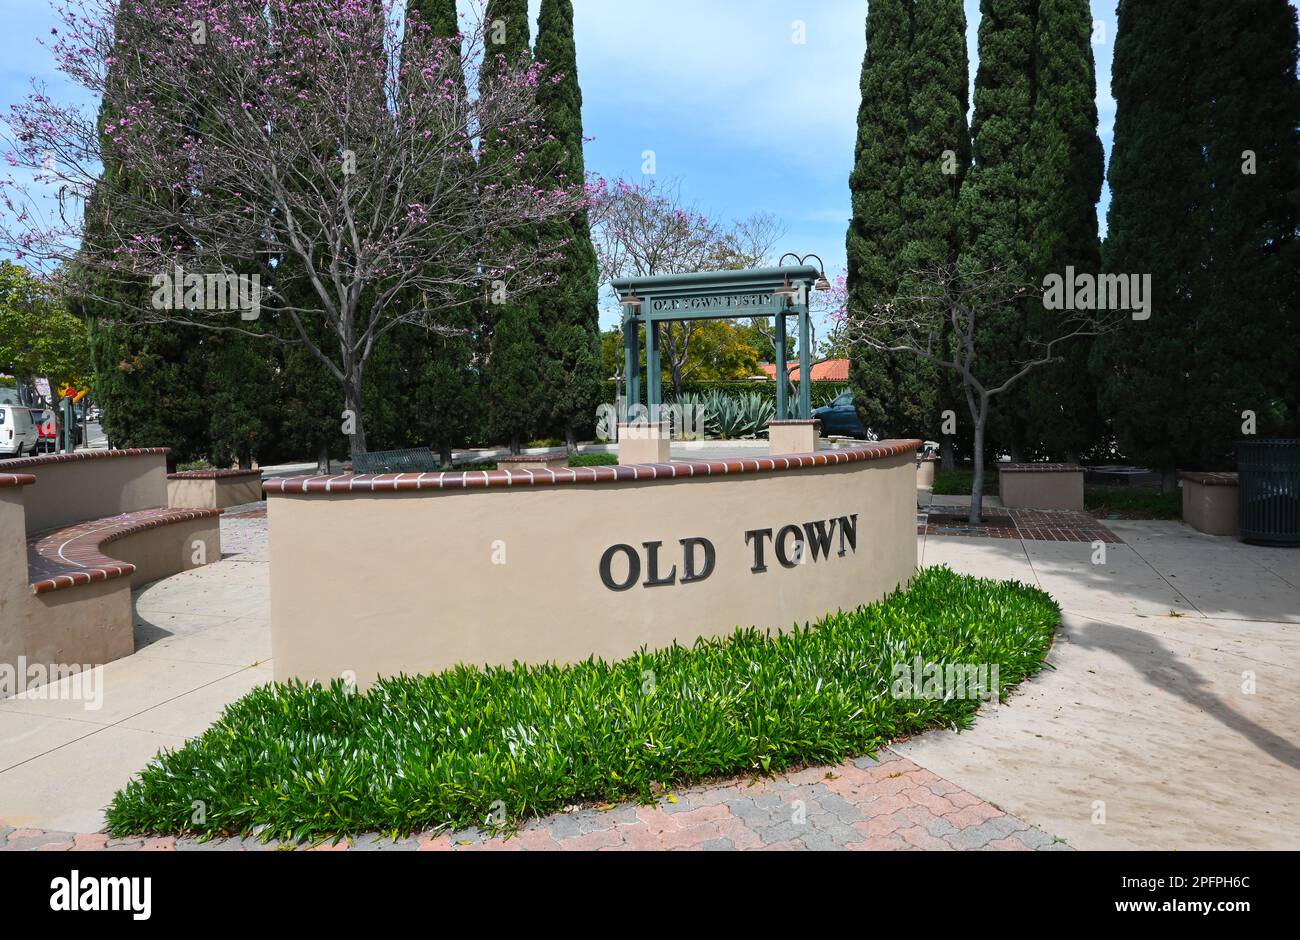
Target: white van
18,432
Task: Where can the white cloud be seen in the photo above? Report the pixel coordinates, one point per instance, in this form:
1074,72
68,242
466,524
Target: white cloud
730,71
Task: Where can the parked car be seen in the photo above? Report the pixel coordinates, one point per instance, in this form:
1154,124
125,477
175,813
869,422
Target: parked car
48,429
841,417
18,433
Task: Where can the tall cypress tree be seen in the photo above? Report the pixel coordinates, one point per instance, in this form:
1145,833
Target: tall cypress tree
567,312
1197,84
149,379
442,387
514,368
1030,205
875,236
993,225
1065,166
912,154
1251,219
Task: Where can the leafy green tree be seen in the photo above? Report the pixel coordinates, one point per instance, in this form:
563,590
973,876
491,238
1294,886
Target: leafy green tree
38,335
912,156
1204,177
567,312
150,382
720,351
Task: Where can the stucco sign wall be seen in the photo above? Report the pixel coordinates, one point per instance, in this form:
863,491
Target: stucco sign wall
375,576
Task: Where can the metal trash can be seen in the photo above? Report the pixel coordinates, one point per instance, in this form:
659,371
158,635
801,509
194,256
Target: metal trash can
1268,473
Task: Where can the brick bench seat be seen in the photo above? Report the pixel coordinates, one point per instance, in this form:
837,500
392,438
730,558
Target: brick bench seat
74,555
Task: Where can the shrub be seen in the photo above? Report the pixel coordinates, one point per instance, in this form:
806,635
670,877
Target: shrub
593,460
297,761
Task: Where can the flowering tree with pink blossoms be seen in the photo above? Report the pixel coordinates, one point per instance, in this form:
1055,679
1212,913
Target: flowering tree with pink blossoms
378,162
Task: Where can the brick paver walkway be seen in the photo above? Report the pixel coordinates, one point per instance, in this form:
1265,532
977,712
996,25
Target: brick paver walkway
1037,525
889,804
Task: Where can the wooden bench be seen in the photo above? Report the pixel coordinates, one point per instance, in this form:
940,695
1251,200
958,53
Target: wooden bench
1210,502
1041,486
550,460
414,460
213,489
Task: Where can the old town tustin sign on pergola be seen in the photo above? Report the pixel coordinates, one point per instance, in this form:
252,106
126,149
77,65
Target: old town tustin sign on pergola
780,292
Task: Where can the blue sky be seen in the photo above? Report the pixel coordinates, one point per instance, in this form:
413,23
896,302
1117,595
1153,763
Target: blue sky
747,119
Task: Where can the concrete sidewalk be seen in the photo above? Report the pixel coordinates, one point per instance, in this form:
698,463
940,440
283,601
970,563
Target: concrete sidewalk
1169,719
203,640
1169,714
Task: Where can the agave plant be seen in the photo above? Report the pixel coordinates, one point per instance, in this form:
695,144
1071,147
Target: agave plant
757,412
698,414
727,415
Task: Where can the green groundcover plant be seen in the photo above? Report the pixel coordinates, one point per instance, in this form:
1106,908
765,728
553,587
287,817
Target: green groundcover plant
473,745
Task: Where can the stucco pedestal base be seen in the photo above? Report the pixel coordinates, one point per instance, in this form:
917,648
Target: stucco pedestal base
642,443
1210,502
925,470
213,489
793,437
1041,486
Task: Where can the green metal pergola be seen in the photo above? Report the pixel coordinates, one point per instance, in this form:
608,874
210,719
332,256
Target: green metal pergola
716,295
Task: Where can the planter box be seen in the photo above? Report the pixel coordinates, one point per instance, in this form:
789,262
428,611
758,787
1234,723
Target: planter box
926,468
792,437
553,460
1041,486
213,489
1210,502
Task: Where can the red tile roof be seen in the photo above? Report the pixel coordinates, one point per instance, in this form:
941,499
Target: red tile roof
829,370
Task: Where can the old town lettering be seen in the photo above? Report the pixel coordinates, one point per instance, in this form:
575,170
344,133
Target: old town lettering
717,302
791,546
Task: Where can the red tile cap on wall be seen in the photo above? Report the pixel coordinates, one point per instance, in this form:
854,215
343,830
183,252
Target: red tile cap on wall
643,473
1208,479
1039,468
213,474
35,463
16,479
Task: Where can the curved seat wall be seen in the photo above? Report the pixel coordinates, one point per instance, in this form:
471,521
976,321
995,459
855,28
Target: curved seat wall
77,533
94,484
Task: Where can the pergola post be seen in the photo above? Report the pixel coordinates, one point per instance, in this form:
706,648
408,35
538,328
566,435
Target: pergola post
631,364
782,369
805,364
654,371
